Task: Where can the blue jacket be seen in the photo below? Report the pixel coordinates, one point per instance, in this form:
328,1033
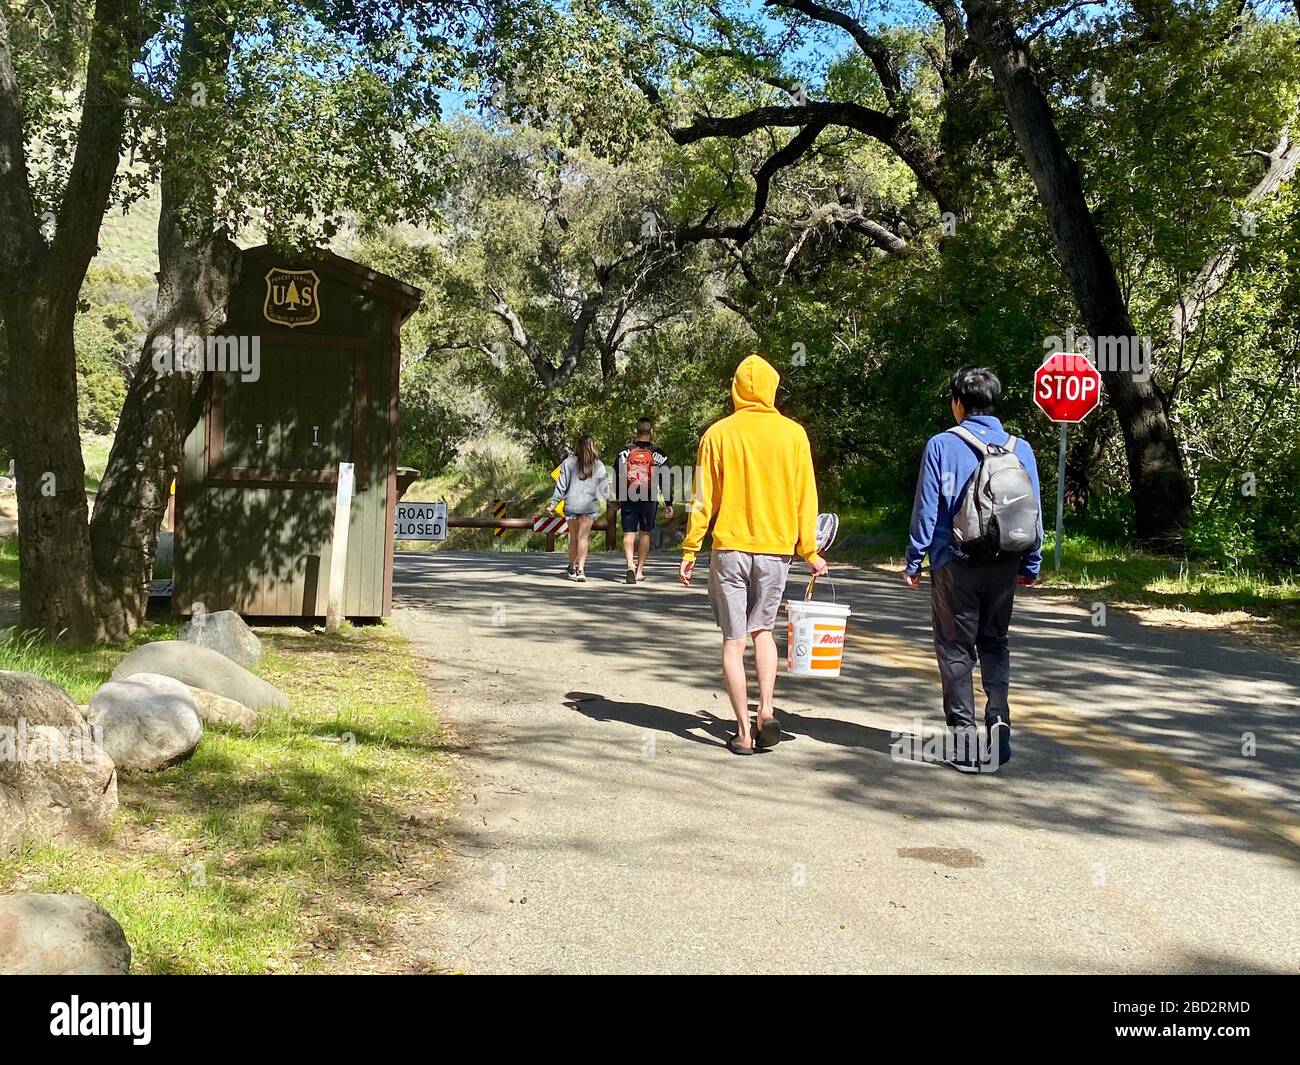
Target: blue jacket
946,468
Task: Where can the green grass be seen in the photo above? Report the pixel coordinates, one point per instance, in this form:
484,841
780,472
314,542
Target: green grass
79,671
130,239
1115,573
273,851
94,453
9,566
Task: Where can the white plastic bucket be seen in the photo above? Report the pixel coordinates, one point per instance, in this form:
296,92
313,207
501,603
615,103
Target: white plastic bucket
815,638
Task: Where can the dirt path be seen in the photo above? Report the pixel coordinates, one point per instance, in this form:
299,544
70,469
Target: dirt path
607,830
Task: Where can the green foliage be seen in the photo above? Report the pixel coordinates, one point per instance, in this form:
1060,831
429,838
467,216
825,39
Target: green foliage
107,338
541,204
866,340
9,566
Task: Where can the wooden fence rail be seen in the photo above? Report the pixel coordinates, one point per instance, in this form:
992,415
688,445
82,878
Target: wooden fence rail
608,525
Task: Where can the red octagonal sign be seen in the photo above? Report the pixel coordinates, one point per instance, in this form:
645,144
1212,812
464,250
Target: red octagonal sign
1067,387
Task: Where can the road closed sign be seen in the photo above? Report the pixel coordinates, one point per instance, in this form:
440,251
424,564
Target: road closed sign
420,521
1067,387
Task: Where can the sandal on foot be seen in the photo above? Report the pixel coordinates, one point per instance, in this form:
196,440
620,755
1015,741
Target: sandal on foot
734,747
768,734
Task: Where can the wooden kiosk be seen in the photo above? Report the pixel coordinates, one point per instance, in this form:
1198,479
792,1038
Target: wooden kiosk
315,384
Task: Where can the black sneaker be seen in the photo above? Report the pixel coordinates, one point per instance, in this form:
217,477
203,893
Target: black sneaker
631,577
999,739
961,751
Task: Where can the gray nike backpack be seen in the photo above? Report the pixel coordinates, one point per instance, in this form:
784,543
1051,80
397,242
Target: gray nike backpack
997,517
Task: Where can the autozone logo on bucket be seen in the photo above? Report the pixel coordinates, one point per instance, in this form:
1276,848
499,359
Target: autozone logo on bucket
835,639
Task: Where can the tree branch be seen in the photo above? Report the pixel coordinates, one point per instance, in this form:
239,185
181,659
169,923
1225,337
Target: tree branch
1213,274
873,47
794,149
116,39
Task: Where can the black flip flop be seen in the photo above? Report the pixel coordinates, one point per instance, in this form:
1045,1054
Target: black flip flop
734,747
769,735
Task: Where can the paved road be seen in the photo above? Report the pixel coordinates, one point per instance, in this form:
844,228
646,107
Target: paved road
607,830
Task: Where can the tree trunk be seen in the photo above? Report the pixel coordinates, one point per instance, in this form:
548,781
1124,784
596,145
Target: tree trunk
197,267
1161,499
58,591
194,283
39,287
1083,457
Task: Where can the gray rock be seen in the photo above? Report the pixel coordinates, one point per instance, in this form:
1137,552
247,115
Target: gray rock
201,667
60,935
225,632
55,778
147,720
216,709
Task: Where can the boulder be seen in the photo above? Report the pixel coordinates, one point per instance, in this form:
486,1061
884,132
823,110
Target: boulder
226,633
201,667
217,710
8,519
147,721
60,935
55,777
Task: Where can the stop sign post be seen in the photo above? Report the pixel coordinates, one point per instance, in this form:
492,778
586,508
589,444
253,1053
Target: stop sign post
1067,388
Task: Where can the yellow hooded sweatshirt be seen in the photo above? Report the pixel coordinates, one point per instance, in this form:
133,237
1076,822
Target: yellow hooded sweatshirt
754,475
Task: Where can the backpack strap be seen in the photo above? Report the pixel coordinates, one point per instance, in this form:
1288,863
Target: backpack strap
965,434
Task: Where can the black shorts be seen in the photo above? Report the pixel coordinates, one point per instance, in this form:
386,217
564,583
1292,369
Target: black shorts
638,516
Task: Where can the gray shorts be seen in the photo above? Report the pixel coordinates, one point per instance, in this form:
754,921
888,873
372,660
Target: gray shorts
745,591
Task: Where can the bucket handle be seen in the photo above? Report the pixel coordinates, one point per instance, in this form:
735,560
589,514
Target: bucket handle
812,583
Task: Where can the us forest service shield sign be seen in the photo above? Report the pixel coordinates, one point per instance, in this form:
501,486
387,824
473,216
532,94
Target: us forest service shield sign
292,297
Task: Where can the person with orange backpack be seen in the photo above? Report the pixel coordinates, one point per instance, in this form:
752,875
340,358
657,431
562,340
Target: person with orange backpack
640,487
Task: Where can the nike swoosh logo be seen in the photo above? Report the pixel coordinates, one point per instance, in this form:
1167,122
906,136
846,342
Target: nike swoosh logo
1008,499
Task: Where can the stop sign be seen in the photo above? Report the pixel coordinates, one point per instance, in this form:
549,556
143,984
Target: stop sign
1067,387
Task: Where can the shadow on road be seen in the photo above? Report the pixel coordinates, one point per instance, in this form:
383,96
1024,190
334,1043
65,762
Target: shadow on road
1178,691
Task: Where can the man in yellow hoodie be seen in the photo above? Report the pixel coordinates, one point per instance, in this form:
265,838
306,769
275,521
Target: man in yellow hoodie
754,485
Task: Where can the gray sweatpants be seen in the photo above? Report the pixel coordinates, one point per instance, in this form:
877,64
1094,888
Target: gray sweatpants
971,606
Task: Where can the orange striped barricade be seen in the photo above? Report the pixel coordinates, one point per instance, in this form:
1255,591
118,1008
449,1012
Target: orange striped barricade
815,635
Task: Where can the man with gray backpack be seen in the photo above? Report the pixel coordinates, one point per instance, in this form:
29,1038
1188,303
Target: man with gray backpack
977,516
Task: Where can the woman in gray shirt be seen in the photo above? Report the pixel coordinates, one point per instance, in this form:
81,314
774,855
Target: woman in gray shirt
584,487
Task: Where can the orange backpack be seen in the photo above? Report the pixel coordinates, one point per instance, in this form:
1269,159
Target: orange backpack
637,473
